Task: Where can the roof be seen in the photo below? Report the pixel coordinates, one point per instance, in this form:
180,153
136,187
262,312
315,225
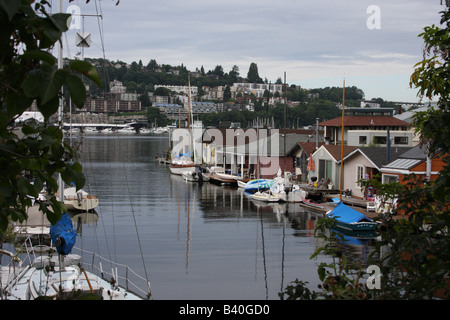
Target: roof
335,150
308,147
378,155
408,115
368,121
408,159
417,152
401,163
270,145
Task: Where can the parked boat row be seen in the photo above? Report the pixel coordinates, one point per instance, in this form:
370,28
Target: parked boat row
278,189
104,129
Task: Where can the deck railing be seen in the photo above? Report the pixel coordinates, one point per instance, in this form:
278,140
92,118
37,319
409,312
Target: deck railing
117,274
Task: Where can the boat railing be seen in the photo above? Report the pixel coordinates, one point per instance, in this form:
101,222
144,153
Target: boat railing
126,278
16,267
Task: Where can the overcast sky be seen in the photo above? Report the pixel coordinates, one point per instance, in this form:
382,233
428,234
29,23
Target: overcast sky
317,43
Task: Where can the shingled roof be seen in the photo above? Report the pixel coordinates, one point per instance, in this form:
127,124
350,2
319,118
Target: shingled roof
335,150
378,155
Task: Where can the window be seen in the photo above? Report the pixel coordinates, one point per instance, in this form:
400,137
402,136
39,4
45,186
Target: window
359,175
325,169
401,140
388,178
362,139
379,140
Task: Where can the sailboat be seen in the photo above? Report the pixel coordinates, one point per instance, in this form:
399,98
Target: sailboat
183,162
57,276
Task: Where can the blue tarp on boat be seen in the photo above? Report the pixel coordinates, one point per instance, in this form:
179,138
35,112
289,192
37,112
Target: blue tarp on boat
345,214
258,184
63,235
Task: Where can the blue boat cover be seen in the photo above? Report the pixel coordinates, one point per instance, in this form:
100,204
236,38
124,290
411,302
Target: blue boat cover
347,215
63,235
258,184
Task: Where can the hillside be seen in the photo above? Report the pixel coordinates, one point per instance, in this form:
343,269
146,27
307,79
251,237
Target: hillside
305,105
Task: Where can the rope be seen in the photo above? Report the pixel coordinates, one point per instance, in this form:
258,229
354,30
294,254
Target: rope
135,224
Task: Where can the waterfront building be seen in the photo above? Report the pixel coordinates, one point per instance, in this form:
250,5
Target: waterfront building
367,130
366,163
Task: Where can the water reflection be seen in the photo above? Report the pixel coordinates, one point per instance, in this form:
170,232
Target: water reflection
83,218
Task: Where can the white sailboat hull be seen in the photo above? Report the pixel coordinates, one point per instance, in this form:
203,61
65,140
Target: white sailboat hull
178,169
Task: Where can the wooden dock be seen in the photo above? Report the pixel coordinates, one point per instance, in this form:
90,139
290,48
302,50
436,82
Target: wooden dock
349,200
359,205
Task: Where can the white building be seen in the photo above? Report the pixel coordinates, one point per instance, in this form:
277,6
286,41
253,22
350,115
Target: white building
399,138
116,86
257,89
180,89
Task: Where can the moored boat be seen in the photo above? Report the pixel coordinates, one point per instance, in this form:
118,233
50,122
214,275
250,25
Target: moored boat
46,275
257,184
218,175
350,219
178,166
195,176
79,200
313,205
265,196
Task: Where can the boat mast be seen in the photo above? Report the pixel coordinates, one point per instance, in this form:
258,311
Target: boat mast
285,132
60,108
189,111
342,143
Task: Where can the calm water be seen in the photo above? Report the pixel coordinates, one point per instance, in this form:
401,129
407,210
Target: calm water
198,241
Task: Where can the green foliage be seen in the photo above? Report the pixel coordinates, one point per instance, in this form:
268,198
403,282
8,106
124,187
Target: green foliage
253,75
334,94
153,114
340,279
31,157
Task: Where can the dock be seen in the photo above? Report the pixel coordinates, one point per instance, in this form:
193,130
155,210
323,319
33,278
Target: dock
351,201
359,205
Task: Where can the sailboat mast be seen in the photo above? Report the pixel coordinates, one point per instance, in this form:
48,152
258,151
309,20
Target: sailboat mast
60,108
342,143
189,110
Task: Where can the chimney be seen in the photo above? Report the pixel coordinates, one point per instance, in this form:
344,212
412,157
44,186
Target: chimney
388,144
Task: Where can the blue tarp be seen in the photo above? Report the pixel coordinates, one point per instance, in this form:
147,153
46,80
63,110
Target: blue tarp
63,229
347,215
258,184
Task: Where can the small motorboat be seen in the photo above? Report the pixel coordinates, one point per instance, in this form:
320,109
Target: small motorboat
350,219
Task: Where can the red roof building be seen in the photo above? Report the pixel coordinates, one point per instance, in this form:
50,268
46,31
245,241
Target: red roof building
333,133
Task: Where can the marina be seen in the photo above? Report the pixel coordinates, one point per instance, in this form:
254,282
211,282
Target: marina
199,241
